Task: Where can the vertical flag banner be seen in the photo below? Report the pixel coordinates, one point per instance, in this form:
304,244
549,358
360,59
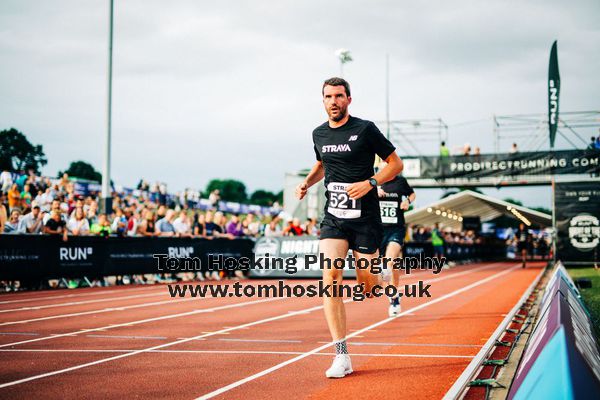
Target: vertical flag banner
553,93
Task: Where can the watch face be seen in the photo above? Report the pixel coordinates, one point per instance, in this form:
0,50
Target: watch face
373,182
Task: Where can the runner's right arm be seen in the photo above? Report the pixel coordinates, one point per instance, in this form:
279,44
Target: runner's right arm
316,173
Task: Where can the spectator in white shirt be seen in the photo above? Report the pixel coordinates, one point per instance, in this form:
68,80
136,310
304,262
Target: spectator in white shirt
78,225
5,181
32,222
182,225
12,225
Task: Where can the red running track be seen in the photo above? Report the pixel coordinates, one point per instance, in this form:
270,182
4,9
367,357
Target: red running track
139,342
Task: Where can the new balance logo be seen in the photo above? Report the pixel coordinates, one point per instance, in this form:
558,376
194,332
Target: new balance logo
353,138
336,148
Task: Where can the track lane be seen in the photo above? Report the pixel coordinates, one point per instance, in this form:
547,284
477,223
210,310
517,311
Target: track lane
318,317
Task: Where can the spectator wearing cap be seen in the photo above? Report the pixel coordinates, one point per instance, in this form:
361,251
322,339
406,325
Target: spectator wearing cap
33,222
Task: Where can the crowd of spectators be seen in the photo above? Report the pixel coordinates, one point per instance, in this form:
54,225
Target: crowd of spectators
32,204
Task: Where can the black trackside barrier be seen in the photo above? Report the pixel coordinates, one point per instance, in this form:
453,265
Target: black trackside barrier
45,257
302,246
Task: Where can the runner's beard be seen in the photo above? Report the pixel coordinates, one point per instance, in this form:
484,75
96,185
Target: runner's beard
340,116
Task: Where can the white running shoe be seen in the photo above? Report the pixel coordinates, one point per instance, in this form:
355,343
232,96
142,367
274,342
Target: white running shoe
340,368
395,307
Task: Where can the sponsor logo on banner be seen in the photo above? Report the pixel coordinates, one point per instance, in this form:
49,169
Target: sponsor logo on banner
180,252
553,101
263,247
584,232
74,253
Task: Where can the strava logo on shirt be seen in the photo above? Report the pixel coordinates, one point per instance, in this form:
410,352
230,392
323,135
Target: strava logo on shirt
334,148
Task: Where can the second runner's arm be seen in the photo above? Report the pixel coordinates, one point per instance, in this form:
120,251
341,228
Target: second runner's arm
394,167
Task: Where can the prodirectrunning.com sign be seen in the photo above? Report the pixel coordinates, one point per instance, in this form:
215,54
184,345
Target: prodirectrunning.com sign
497,165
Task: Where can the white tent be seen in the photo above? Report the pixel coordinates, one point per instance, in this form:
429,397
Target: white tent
450,211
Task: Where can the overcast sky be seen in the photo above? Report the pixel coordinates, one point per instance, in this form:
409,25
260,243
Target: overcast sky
231,89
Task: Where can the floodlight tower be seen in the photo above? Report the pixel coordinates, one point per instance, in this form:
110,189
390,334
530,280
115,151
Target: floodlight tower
345,57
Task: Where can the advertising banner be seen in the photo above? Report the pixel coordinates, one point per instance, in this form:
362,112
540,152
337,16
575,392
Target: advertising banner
577,207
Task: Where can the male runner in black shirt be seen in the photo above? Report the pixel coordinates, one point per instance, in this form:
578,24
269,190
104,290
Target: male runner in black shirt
345,148
395,197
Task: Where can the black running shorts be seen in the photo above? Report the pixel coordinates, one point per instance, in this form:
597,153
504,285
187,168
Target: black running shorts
364,236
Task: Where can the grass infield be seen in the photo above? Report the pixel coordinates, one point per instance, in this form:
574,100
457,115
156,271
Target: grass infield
591,296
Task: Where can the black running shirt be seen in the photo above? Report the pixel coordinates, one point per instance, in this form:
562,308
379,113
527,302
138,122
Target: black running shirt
348,153
391,213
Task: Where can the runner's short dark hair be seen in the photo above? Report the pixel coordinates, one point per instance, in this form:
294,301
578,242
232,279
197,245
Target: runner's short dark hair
335,81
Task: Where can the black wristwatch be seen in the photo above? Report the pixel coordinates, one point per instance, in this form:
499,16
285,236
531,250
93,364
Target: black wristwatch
373,182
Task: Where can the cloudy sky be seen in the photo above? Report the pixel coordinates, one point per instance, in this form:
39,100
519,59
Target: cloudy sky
232,89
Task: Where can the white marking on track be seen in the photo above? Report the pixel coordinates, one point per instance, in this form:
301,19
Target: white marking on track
104,310
377,324
260,340
142,321
232,352
282,316
76,303
28,299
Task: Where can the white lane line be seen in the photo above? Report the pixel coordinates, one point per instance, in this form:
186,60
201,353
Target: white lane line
103,310
320,348
28,299
442,278
20,333
127,337
234,352
142,321
261,340
76,303
224,331
153,286
409,344
104,360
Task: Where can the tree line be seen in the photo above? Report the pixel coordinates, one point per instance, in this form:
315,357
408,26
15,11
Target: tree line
17,153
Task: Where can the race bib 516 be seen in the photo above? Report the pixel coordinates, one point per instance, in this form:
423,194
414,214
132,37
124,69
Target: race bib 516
389,212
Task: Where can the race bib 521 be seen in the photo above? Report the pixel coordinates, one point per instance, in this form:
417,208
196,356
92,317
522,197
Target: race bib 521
340,204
